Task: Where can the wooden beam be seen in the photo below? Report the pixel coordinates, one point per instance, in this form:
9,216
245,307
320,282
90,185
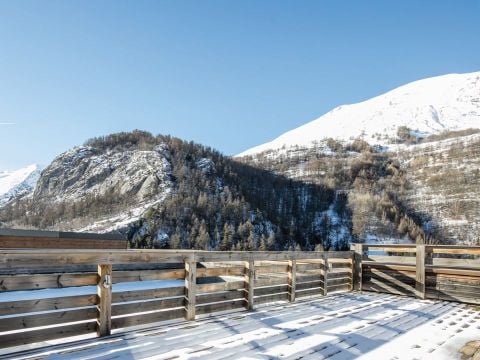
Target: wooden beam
149,294
36,305
357,266
190,289
46,281
144,306
292,279
223,306
39,335
34,259
104,292
23,259
325,276
220,297
249,283
27,321
220,286
420,272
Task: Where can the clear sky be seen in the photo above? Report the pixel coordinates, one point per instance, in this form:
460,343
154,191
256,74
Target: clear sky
229,74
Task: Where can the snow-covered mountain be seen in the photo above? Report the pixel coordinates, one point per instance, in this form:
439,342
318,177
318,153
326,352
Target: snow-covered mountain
18,183
429,106
164,192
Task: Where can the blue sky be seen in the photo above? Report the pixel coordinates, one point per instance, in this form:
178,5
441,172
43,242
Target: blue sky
229,74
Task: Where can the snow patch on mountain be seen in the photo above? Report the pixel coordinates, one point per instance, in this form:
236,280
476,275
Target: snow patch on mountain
429,106
18,183
123,220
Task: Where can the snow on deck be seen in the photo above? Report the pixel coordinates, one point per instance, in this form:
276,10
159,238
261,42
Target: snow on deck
341,326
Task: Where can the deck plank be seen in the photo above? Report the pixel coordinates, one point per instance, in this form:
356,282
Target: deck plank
339,326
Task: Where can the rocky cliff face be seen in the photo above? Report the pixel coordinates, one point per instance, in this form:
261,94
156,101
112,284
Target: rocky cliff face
142,175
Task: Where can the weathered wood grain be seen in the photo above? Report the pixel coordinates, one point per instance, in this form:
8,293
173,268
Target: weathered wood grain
310,285
420,272
220,286
250,283
223,306
222,296
27,306
143,306
357,266
148,294
292,279
104,293
46,319
190,289
46,281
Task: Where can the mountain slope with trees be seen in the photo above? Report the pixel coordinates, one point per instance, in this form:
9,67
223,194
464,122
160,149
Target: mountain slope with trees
167,193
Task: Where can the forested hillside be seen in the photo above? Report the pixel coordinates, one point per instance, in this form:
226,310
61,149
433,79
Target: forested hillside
165,192
424,190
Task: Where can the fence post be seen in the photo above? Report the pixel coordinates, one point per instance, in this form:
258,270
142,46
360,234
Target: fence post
104,292
325,274
357,266
249,283
190,289
420,272
292,279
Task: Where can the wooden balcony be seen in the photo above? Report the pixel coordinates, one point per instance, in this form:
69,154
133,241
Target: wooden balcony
50,294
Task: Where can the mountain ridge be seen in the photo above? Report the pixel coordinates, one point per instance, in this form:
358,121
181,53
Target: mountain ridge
421,184
426,107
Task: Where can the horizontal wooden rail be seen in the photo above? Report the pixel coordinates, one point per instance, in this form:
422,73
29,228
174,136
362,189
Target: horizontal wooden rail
98,291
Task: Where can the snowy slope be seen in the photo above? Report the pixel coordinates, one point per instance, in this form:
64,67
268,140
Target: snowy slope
429,106
18,183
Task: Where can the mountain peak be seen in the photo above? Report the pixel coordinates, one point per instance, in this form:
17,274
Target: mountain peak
428,106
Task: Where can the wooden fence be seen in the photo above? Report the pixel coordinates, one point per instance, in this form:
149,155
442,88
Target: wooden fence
181,284
424,271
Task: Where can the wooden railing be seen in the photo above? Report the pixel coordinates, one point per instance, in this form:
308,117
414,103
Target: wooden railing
424,271
73,292
201,283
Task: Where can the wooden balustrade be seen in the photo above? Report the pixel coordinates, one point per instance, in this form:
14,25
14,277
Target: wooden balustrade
70,298
440,272
95,292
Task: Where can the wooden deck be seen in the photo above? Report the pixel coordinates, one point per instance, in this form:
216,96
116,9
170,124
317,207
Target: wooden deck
47,295
339,326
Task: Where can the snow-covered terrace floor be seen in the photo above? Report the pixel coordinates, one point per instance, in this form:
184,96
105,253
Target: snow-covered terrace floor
339,326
